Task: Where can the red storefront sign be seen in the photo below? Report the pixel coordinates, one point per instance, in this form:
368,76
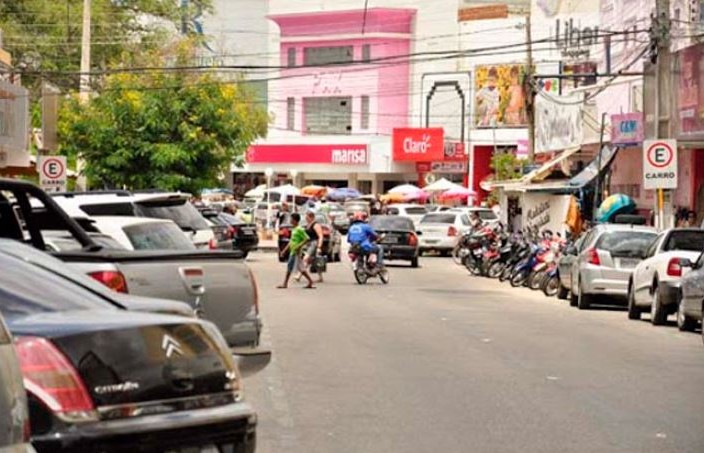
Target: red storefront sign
445,167
308,154
455,151
418,145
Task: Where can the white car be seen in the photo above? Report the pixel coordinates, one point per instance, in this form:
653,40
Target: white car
415,212
486,215
655,284
441,231
140,233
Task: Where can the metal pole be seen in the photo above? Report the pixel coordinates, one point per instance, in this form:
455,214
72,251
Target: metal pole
530,106
662,30
85,53
597,188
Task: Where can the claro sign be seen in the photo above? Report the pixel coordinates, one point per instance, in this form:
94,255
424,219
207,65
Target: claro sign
419,145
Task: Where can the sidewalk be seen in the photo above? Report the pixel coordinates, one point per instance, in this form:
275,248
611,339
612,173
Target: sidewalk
268,245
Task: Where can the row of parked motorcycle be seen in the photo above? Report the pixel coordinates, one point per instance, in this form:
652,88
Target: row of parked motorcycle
524,258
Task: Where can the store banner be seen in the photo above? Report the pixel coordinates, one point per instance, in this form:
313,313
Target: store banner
446,167
455,151
499,99
689,84
418,144
627,129
558,121
343,154
14,125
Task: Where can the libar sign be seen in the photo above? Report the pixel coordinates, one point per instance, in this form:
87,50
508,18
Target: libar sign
659,164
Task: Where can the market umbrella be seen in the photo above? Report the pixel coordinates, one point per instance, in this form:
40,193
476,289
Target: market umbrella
343,193
394,198
405,189
457,193
257,192
314,191
615,205
420,195
286,189
441,185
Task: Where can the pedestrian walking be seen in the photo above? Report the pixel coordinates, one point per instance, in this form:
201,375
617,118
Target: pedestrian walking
315,247
295,247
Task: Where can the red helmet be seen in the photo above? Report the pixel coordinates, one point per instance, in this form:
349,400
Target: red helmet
359,216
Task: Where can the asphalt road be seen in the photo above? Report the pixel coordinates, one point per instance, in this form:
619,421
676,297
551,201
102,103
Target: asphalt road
439,361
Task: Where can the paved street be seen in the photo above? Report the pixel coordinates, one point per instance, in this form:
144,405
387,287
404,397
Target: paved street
441,361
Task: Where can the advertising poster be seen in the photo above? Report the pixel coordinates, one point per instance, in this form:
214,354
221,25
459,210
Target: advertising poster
499,97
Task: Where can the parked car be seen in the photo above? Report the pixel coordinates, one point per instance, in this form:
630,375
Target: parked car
242,235
691,303
400,240
219,282
141,233
437,208
332,240
14,414
415,212
440,231
486,215
655,284
100,379
564,266
62,241
606,261
171,206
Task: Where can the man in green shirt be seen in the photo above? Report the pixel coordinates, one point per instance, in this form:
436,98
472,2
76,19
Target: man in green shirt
299,238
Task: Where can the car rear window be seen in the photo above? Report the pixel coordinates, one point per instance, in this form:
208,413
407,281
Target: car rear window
420,210
125,209
180,211
691,241
438,218
392,223
157,236
26,290
625,243
486,214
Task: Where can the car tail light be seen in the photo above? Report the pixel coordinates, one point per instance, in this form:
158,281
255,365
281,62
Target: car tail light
231,232
255,289
112,279
674,269
412,239
49,376
452,231
213,244
284,232
593,257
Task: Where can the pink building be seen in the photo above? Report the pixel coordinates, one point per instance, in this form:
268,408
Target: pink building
344,85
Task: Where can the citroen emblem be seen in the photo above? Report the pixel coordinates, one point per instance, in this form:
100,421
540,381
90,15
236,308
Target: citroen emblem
171,346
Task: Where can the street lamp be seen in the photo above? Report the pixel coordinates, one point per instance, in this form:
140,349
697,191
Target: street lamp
294,173
268,172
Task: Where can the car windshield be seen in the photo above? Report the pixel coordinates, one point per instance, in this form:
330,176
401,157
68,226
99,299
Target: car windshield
69,244
25,290
625,243
180,211
416,210
486,214
157,236
439,218
392,223
690,241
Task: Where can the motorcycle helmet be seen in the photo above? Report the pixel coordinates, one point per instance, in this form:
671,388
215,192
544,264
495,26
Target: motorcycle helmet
359,216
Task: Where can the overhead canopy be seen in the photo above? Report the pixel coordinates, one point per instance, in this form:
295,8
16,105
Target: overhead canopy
441,185
545,170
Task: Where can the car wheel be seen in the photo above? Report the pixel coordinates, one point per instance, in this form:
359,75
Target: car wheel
658,315
562,292
414,262
633,310
584,301
245,255
573,300
337,257
684,322
384,276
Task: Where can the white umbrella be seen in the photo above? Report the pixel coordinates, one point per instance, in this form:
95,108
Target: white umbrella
257,192
441,185
287,189
405,189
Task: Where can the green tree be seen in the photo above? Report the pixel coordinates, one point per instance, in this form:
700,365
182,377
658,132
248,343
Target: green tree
161,129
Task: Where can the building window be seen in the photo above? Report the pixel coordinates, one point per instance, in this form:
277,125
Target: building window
319,56
364,120
366,53
331,115
291,57
290,113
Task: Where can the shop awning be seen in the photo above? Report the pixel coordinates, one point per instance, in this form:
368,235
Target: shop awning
546,169
586,176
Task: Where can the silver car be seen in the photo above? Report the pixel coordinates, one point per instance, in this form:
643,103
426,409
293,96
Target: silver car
691,303
605,262
440,231
14,416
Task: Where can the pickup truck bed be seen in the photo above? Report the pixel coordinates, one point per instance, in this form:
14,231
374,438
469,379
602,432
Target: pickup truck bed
220,281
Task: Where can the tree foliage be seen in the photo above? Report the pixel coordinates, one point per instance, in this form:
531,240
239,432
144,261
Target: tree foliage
166,130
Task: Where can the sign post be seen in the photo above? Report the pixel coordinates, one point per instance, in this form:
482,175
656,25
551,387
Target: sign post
660,171
52,173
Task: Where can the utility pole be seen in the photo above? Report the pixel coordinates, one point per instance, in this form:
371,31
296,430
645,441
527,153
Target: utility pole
530,92
661,33
85,53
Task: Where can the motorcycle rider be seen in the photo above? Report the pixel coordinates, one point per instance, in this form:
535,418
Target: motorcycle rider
362,235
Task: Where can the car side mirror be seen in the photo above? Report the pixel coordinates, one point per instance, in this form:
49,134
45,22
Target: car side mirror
571,251
686,262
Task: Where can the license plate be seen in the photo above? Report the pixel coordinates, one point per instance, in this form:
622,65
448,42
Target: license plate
391,240
628,263
248,231
205,449
432,241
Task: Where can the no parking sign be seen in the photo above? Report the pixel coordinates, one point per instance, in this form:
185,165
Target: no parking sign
52,173
660,164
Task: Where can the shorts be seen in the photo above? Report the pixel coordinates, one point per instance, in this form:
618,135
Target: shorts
294,262
312,249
